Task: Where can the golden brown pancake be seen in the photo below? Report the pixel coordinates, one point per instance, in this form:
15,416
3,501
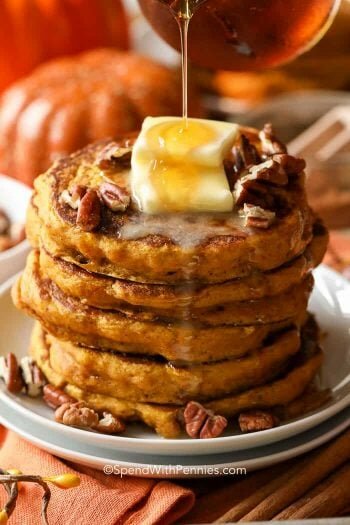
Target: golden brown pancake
272,309
136,378
171,248
110,293
165,419
68,318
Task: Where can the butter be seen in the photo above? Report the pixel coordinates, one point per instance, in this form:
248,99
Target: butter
179,168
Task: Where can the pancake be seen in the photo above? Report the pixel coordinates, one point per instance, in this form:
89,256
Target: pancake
171,248
165,419
264,310
110,293
148,380
69,319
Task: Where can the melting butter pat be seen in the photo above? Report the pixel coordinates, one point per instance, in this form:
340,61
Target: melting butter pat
179,168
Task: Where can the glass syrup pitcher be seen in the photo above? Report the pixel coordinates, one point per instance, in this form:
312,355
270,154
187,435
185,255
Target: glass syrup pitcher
242,34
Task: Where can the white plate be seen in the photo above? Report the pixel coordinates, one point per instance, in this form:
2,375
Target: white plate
330,301
174,466
14,199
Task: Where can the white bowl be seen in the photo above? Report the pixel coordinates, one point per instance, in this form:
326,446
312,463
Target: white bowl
14,200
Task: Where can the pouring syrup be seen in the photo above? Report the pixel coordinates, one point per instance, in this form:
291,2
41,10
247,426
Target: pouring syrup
183,11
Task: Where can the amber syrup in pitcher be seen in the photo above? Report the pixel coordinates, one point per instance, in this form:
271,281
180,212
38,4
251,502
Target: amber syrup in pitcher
243,35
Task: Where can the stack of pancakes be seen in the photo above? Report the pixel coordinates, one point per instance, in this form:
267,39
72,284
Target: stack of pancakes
146,313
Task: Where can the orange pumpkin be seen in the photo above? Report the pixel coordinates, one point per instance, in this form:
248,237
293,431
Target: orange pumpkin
33,31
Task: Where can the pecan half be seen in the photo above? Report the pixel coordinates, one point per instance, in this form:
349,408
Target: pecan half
257,222
55,397
4,223
195,416
32,376
257,217
248,152
254,192
78,191
269,171
73,196
202,423
114,156
10,372
213,427
89,211
292,165
257,420
269,142
76,415
114,197
231,172
110,424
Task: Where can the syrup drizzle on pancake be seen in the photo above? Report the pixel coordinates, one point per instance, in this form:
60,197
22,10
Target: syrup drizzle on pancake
188,230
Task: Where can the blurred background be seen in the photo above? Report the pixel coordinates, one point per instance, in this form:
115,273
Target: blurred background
73,71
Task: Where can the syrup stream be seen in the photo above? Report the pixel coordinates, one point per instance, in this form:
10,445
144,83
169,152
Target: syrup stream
184,23
182,11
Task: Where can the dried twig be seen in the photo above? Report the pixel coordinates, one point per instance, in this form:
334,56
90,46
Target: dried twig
12,491
10,483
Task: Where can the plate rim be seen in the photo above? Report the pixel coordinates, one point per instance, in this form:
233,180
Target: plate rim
252,464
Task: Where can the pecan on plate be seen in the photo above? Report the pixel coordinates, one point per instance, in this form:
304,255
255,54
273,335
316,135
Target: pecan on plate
256,420
202,423
213,427
32,376
257,217
55,397
10,372
89,211
195,416
269,142
73,196
110,424
114,156
114,197
4,223
76,415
